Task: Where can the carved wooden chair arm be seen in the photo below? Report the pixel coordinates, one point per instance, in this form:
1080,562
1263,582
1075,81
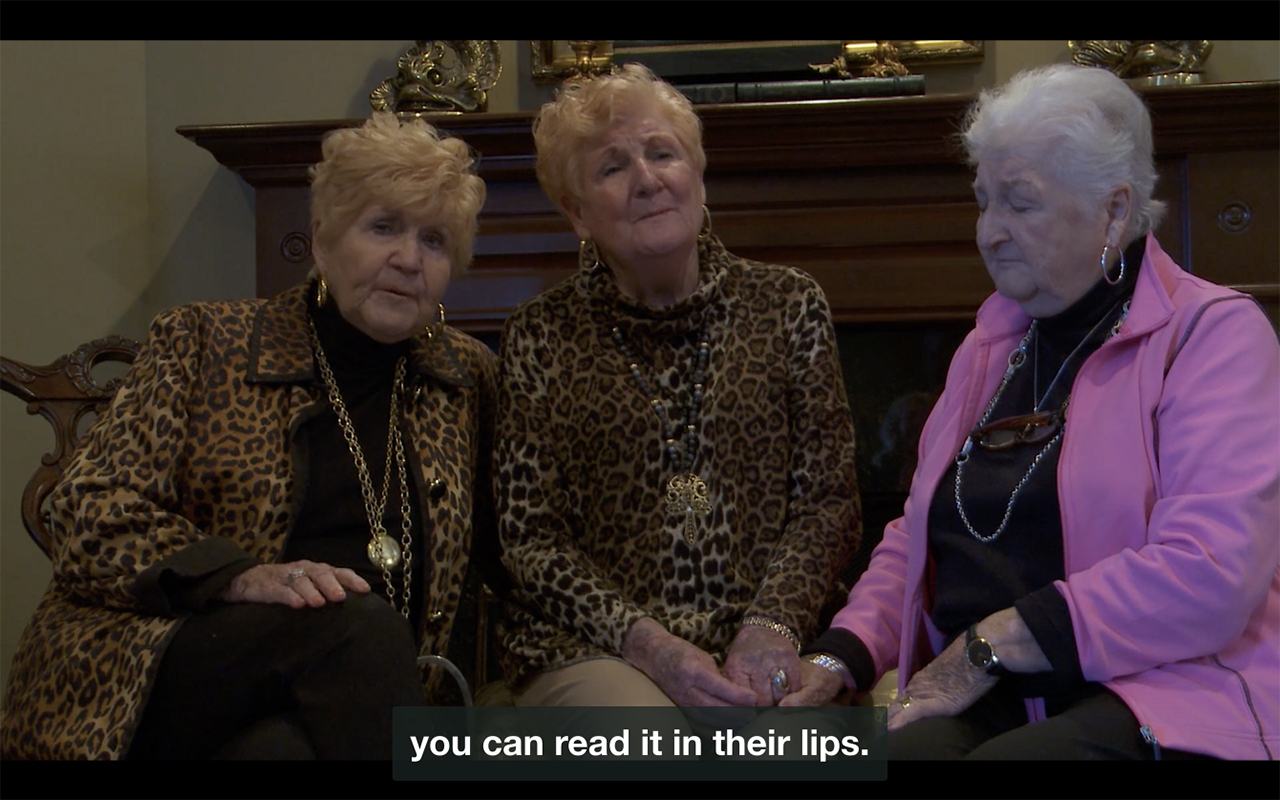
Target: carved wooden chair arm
63,393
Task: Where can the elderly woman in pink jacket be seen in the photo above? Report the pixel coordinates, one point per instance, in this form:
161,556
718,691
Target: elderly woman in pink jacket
1090,543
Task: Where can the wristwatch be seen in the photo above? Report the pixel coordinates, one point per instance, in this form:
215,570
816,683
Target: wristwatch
981,654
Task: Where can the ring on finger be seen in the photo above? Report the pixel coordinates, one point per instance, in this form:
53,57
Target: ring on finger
294,574
905,700
781,683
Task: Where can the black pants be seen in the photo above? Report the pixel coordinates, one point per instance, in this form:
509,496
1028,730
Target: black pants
1093,725
260,681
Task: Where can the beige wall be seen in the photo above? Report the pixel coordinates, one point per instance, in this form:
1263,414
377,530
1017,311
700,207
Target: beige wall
73,247
107,216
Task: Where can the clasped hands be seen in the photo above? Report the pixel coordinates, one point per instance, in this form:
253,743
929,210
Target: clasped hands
690,677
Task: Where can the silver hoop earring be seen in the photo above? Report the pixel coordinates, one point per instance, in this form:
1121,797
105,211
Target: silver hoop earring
1103,261
705,233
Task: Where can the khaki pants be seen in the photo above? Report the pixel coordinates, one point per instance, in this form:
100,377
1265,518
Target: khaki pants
595,682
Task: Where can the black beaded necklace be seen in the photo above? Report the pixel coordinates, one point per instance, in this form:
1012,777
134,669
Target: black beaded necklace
686,492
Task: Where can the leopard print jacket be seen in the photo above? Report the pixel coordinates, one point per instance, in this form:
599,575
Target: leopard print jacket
199,446
581,477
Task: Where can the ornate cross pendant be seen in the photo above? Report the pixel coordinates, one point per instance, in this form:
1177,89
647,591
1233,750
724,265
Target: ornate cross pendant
687,494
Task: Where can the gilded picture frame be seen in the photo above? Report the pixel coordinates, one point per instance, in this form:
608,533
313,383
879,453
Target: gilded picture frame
555,60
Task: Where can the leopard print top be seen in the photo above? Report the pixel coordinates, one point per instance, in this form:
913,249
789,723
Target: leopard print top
198,448
581,478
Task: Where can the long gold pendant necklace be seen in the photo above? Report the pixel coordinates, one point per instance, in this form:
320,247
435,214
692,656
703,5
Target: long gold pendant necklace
686,491
383,551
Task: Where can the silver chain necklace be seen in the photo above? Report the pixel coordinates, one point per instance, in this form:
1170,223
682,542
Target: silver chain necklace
383,551
1016,359
686,491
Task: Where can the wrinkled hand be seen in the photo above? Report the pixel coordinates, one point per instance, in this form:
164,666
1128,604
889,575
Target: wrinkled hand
686,673
946,687
818,686
297,584
755,657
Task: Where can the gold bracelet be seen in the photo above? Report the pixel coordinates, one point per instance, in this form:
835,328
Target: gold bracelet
775,626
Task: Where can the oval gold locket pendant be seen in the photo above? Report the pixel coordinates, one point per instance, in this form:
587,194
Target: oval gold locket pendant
384,552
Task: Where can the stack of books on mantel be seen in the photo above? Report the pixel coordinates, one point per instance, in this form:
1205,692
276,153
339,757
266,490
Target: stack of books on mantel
779,91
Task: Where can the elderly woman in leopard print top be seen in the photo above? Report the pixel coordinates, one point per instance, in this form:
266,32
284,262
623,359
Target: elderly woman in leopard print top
675,465
225,582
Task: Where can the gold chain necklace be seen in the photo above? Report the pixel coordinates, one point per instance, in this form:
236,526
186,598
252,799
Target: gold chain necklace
686,491
382,550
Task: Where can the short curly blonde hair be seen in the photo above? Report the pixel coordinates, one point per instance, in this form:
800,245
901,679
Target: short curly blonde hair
585,108
398,165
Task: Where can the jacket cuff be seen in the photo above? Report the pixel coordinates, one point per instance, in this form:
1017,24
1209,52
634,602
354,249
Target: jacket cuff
191,578
847,647
1048,617
793,615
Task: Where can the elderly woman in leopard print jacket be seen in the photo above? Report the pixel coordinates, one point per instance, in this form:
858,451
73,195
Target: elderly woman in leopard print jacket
225,582
675,456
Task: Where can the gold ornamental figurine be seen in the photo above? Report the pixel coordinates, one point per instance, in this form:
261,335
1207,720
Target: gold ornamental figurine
1150,63
437,76
884,64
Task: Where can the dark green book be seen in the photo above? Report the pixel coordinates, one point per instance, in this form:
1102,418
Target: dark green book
778,91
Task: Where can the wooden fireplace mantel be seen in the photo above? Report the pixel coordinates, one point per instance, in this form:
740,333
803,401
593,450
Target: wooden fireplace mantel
868,196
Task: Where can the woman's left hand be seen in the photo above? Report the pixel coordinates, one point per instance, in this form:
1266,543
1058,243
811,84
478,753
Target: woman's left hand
944,688
950,684
756,656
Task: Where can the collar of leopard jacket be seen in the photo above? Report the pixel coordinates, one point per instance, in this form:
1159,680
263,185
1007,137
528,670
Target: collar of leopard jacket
280,348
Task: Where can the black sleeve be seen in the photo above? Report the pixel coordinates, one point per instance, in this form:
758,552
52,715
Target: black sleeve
486,548
1048,617
190,578
847,647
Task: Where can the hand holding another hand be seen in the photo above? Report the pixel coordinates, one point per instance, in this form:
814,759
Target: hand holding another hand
756,658
685,672
818,686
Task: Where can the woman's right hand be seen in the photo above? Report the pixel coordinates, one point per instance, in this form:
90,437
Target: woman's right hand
818,686
297,584
686,673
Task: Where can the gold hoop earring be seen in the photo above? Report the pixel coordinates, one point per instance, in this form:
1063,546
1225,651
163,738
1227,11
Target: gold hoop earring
705,233
587,252
322,293
434,329
1103,262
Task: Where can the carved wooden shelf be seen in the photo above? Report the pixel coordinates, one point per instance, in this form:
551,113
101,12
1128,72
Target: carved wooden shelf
869,196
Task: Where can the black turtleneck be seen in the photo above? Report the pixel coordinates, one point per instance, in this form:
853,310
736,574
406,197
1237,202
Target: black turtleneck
333,526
